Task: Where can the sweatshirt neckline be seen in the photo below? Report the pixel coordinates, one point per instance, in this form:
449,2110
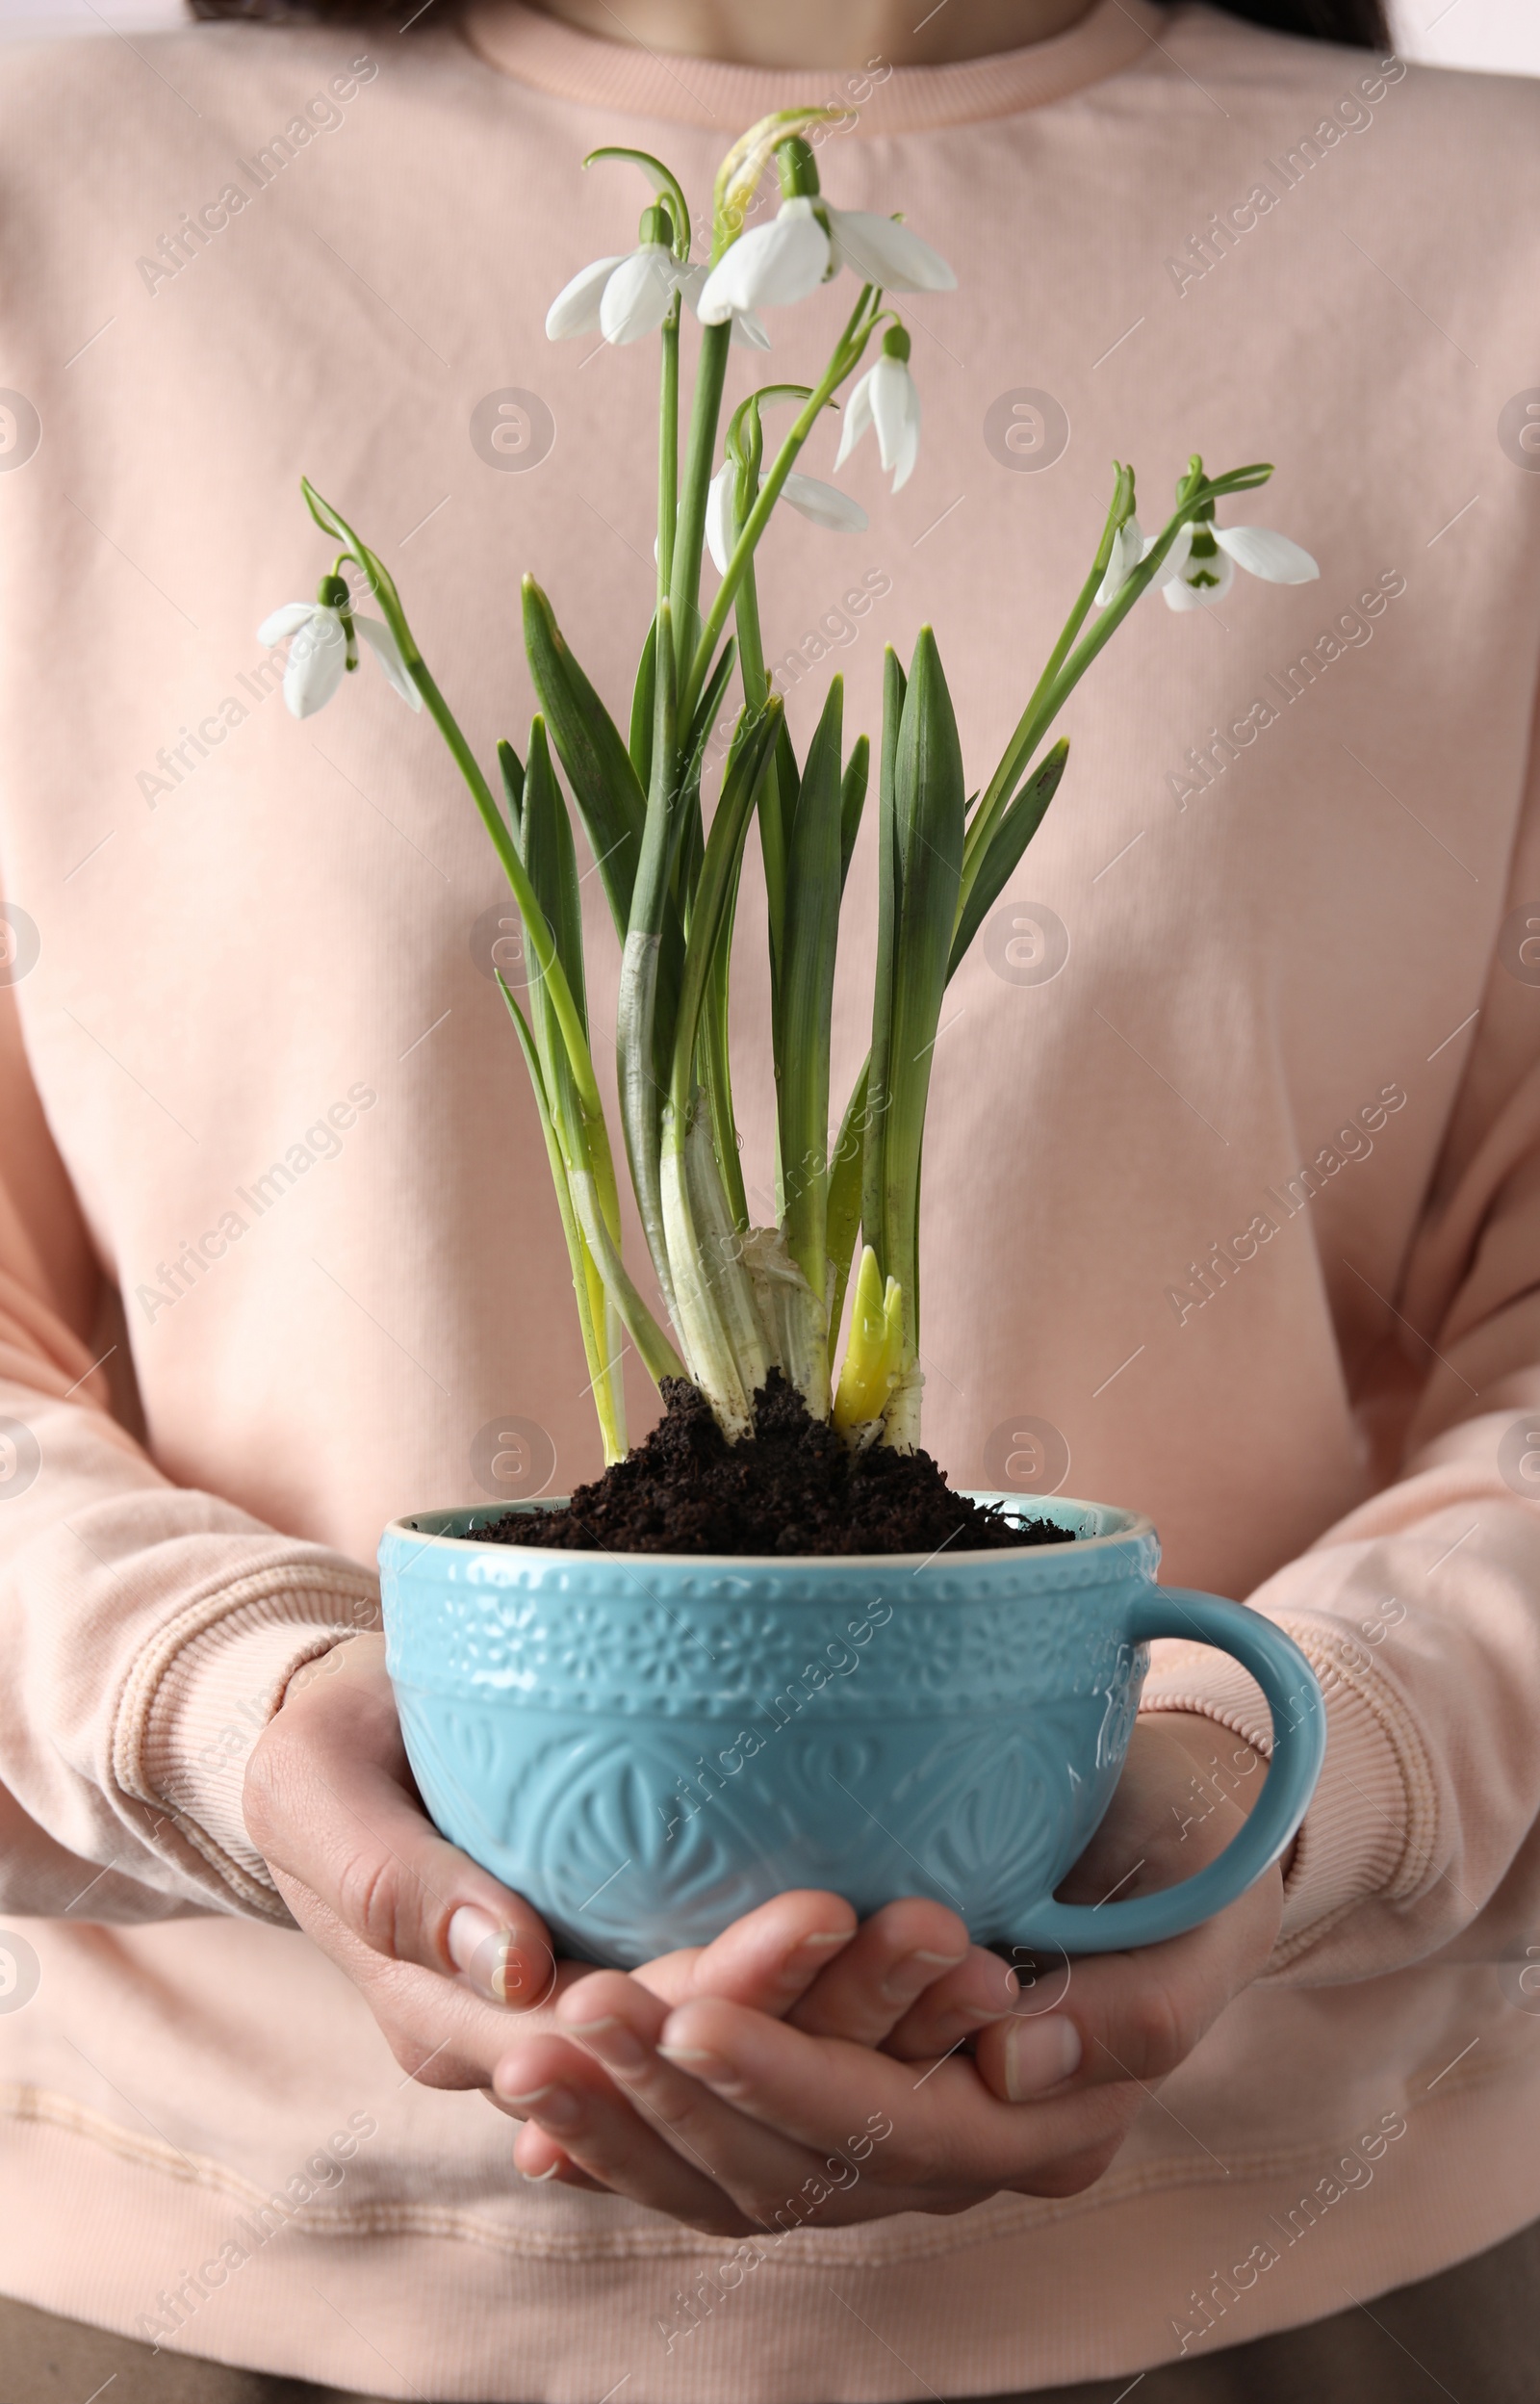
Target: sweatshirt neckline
539,51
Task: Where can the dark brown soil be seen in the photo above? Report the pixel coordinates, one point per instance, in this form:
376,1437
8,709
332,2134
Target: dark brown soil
793,1486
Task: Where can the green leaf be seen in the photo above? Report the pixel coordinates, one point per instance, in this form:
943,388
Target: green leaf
512,766
642,1046
852,802
606,1383
642,704
598,764
928,799
842,1214
1011,836
888,890
551,858
753,743
806,988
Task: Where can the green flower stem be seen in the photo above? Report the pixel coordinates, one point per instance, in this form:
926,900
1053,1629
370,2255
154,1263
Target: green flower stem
664,182
538,932
700,455
1066,667
846,357
1073,668
1032,726
668,452
541,940
756,693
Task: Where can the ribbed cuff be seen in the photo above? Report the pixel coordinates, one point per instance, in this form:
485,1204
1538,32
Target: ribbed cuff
1369,1830
201,1695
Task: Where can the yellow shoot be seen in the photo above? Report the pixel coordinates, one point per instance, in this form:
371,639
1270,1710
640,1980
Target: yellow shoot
874,1355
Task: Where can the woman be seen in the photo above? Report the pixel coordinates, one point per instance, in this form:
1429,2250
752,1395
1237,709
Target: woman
1238,1213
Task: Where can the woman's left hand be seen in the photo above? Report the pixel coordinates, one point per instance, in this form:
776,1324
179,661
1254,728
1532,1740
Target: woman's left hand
852,2108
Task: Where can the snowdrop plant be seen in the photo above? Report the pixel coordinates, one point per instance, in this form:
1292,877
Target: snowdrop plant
726,1300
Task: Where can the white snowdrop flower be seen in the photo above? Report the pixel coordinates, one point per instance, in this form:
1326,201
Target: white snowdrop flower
1129,548
824,504
576,306
638,294
887,399
884,250
747,330
629,295
772,266
1200,567
319,655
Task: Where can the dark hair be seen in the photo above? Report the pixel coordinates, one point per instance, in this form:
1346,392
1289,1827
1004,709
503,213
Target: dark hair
1360,23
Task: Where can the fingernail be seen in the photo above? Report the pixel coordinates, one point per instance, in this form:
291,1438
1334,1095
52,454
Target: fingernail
709,2068
553,2107
534,2177
487,1956
617,2046
1039,2054
822,1939
918,1971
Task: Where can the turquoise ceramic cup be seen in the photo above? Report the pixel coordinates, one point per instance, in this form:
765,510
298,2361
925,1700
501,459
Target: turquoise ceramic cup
646,1747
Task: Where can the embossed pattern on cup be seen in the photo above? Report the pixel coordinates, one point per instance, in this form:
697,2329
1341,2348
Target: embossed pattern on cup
648,1746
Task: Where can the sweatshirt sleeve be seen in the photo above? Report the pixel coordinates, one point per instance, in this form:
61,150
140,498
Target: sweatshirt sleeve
1419,1612
147,1632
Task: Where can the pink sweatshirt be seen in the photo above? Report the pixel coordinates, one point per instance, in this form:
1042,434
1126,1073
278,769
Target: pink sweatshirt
1235,1217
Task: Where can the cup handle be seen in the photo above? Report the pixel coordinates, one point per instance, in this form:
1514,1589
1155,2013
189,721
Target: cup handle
1299,1745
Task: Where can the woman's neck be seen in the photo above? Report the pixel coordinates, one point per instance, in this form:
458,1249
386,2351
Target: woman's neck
823,33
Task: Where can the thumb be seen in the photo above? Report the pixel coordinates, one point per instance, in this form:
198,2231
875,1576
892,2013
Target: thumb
329,1802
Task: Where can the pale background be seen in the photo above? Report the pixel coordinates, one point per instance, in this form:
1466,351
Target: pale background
1501,35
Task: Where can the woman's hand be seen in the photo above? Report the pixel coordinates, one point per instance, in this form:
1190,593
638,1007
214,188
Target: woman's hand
453,1964
732,2120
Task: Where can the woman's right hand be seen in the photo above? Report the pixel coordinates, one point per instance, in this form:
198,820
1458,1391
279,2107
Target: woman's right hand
456,1968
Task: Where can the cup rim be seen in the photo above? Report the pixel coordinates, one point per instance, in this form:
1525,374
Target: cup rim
1137,1524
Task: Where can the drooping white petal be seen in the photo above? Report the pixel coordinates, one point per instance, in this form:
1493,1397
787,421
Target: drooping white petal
285,622
896,415
880,251
858,417
317,660
824,504
768,267
636,299
575,307
747,330
388,652
1127,551
1175,559
721,530
1219,574
1273,556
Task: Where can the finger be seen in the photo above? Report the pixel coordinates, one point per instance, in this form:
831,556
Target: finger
766,1959
566,2095
619,2023
1132,2016
539,2159
936,2126
328,1800
440,2032
896,1956
982,1989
